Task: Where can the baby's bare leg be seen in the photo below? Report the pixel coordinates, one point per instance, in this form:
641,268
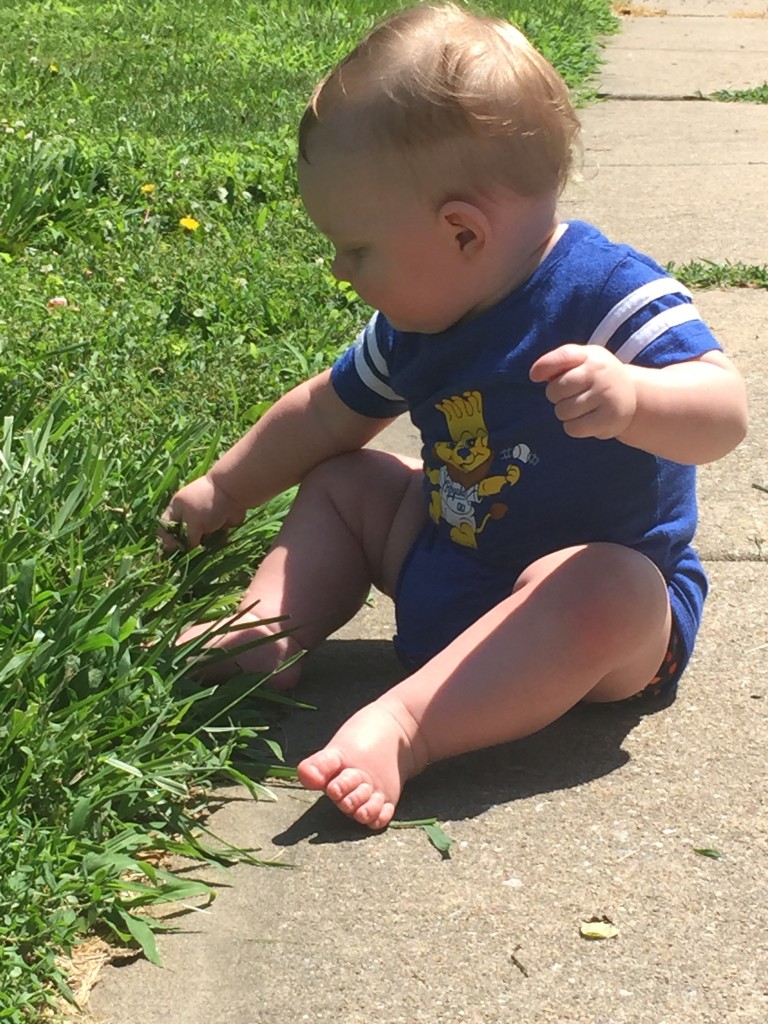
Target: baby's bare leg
587,623
352,522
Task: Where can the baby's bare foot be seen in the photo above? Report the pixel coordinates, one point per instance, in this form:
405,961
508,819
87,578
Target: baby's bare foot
365,766
236,635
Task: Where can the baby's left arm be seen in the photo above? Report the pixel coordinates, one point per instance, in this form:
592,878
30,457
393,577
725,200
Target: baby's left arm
690,412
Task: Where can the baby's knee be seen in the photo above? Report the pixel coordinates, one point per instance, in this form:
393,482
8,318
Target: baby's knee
600,591
341,470
365,478
623,595
622,575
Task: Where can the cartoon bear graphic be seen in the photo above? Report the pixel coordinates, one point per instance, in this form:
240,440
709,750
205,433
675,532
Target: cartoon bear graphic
463,481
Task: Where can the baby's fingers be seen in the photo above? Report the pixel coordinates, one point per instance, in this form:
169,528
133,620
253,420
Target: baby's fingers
173,534
574,407
554,364
178,530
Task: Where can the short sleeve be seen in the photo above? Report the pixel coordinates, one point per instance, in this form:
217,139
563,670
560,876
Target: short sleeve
361,377
648,318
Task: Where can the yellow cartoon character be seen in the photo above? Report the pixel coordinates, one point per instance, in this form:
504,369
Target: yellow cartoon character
463,481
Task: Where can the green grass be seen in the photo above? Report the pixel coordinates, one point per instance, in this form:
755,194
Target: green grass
106,749
757,95
710,274
118,120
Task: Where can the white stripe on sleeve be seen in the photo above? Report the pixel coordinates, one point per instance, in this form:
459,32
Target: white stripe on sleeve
366,374
371,342
632,304
654,328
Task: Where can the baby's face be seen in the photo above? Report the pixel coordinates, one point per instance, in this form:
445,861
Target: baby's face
390,243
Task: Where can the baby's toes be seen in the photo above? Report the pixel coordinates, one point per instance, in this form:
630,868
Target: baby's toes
345,783
316,772
354,801
369,811
384,816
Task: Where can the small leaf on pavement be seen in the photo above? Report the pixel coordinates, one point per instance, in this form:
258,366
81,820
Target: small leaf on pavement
436,835
598,928
439,839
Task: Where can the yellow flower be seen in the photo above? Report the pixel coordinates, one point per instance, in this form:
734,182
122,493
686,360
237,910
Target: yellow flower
189,223
53,68
148,189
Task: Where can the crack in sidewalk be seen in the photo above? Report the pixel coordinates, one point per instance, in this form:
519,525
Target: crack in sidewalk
656,97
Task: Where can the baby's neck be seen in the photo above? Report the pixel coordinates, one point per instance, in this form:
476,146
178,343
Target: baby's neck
530,263
526,230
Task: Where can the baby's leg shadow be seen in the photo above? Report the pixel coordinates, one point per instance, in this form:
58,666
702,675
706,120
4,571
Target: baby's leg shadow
343,675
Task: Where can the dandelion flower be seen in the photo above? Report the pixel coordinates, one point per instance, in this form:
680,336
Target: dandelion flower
189,223
53,68
148,189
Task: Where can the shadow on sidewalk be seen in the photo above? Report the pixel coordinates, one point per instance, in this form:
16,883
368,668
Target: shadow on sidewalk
345,674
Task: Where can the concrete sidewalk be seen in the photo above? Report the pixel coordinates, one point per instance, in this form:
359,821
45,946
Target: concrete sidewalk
602,813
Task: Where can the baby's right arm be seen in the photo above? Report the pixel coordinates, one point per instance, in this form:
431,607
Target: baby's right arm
302,429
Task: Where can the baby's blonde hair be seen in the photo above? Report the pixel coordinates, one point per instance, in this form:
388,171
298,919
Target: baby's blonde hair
464,100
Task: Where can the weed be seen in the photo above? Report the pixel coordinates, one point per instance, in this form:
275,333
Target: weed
757,95
710,274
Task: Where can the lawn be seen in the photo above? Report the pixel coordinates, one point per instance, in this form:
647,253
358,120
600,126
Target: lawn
159,286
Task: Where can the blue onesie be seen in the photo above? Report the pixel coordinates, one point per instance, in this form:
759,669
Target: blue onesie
504,483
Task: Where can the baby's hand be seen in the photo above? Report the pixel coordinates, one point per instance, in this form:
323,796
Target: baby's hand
198,510
591,390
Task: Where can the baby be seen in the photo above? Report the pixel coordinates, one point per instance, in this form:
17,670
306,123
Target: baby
564,387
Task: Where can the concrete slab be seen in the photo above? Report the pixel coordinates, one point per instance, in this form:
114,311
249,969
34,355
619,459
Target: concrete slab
401,437
685,56
680,181
692,9
600,814
733,521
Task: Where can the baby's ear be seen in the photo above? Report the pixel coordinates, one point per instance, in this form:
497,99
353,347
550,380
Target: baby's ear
467,226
